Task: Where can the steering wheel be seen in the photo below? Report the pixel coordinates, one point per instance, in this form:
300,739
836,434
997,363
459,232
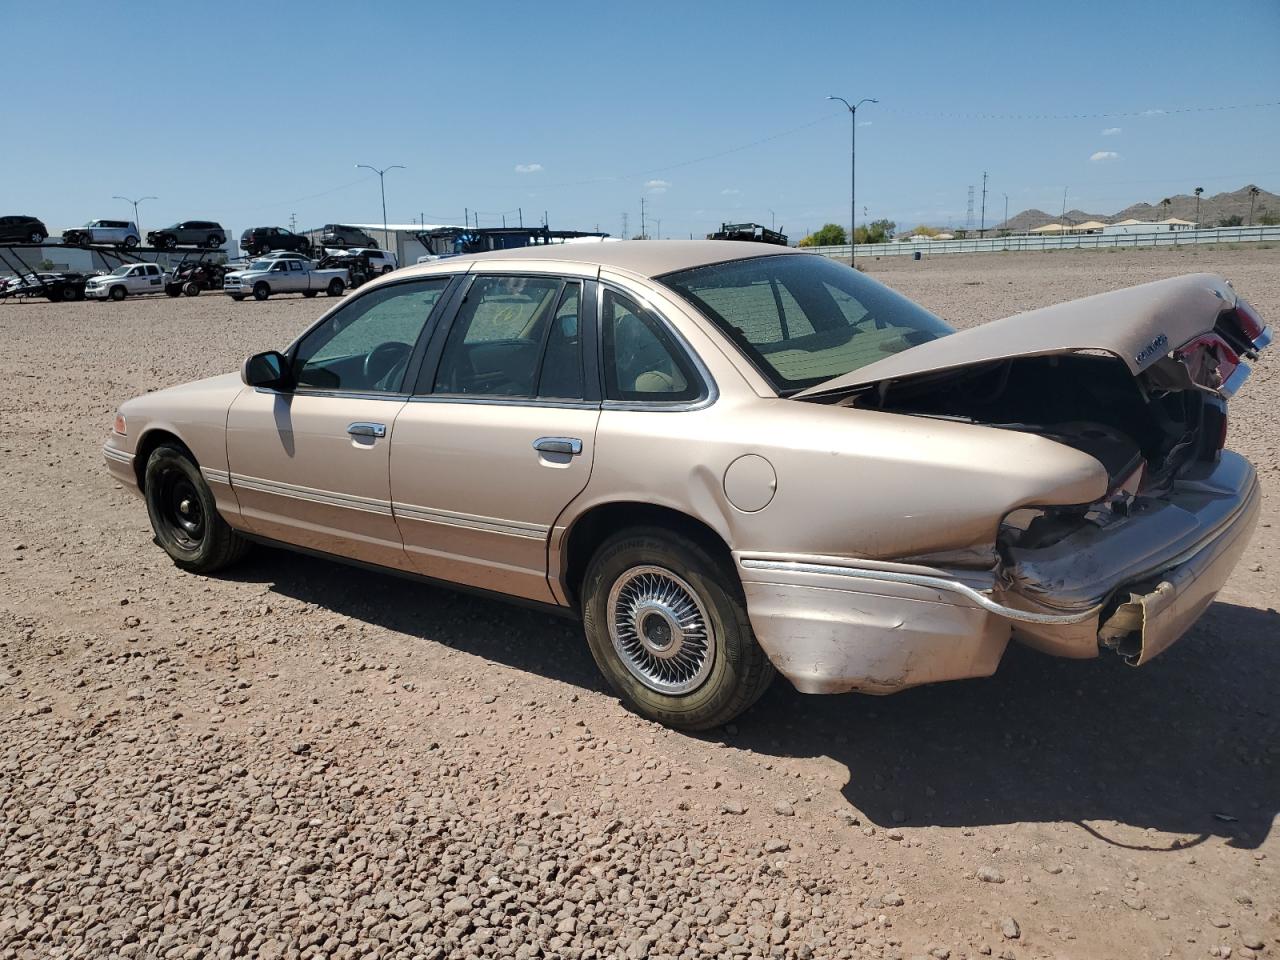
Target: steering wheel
384,360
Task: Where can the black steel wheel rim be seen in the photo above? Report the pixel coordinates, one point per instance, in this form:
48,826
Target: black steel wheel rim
180,509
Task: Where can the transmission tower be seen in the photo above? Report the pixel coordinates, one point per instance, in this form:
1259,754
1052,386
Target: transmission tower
293,223
968,216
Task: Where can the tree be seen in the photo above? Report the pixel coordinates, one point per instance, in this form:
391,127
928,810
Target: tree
1269,219
1234,220
1199,190
1166,203
923,230
878,231
1253,198
830,235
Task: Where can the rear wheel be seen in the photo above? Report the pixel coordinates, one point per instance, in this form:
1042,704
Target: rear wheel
261,291
37,237
667,624
336,287
191,289
183,514
118,293
213,241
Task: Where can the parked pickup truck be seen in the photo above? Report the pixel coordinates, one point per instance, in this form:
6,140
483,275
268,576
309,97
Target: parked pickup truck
262,278
126,280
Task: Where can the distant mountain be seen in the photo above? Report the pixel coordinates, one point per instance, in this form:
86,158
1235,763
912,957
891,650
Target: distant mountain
1213,209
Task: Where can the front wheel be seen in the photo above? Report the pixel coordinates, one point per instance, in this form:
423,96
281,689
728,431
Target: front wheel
118,293
336,287
130,242
237,297
261,291
183,514
37,237
667,624
213,241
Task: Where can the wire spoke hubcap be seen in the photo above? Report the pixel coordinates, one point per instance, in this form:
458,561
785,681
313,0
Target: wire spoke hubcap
660,630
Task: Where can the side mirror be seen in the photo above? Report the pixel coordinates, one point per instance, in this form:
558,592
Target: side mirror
265,370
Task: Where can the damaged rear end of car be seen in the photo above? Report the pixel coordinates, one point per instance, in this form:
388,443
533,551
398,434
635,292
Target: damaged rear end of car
1139,380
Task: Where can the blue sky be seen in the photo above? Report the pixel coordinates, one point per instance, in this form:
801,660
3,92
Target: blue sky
248,113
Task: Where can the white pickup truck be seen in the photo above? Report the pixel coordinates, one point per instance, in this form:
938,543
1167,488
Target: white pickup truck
262,278
126,280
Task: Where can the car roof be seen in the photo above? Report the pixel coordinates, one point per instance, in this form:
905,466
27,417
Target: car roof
648,258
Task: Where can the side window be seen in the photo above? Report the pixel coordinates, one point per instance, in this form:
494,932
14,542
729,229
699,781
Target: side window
497,336
295,266
642,361
560,376
366,345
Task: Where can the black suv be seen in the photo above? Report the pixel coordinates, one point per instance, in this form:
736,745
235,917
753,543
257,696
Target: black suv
340,235
22,230
188,233
258,240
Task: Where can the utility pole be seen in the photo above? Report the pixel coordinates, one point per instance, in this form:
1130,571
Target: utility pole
1064,208
293,223
982,224
466,217
624,224
520,211
773,220
853,169
1006,214
643,235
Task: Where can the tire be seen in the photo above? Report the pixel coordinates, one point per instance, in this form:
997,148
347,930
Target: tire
718,679
83,241
310,293
191,289
118,293
213,241
386,270
261,291
338,242
236,297
38,237
130,242
336,287
173,290
183,515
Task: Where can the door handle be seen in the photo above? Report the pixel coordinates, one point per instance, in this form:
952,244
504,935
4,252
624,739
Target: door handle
367,429
570,445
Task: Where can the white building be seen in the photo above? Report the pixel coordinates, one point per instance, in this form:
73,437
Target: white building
1147,226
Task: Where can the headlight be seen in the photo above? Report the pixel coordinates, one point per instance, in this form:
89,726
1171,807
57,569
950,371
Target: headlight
119,425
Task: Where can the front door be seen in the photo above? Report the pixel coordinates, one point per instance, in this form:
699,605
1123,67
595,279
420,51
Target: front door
309,464
499,436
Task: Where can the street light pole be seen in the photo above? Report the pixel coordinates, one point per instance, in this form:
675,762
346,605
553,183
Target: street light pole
383,186
773,220
135,203
853,168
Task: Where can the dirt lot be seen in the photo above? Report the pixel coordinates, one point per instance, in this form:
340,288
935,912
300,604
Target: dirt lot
300,759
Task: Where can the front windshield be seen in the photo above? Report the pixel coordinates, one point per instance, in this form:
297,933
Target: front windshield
120,271
802,320
260,265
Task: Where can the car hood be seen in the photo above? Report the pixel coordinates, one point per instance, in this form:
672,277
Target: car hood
1140,325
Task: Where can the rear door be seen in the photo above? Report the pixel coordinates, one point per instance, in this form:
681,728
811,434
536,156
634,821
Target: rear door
499,435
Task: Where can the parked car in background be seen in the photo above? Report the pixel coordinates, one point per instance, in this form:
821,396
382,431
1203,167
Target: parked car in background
127,280
340,235
188,233
380,261
20,229
263,278
56,287
258,240
732,458
118,233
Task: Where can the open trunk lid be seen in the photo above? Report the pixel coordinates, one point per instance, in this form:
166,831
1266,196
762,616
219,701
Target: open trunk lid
1139,325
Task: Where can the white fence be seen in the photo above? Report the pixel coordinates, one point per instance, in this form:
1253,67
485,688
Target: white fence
1084,241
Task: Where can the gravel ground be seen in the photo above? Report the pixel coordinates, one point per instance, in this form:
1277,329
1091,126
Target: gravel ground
302,760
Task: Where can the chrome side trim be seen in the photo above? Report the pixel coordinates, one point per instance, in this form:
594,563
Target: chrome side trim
1236,380
507,401
216,476
119,456
325,497
919,580
511,528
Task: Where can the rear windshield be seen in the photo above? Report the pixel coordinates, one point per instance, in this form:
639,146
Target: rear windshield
802,320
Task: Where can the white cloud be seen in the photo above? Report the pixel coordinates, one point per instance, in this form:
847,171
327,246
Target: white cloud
1104,155
1153,113
528,168
656,186
1111,131
730,192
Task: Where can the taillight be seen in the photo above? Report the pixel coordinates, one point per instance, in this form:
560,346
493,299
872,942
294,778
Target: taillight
1250,321
1209,360
119,425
